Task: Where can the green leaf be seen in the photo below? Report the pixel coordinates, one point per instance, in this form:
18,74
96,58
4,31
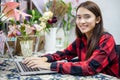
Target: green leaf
35,16
33,12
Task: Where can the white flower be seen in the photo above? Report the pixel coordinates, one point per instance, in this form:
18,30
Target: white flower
48,15
43,24
40,27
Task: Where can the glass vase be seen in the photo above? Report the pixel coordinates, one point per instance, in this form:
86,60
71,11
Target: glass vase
66,38
26,48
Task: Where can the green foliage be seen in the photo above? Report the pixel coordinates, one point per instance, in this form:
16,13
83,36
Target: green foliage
23,32
35,16
68,19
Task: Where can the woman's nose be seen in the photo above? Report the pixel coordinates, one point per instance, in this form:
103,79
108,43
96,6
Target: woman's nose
82,20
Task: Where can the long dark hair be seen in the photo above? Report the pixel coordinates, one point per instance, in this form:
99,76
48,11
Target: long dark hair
97,31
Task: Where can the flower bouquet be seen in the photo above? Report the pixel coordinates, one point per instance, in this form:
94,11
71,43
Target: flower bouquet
54,13
51,20
21,29
26,37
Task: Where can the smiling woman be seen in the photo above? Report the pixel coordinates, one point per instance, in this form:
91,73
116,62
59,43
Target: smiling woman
94,47
86,21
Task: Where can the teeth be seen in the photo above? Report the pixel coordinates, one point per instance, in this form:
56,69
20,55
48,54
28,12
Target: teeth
83,27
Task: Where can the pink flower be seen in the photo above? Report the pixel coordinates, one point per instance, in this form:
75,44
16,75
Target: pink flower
9,7
13,31
10,10
29,30
20,12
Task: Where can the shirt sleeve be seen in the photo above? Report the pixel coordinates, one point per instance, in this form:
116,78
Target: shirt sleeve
68,53
95,64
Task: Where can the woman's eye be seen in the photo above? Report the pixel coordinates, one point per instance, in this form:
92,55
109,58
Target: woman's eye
87,16
78,17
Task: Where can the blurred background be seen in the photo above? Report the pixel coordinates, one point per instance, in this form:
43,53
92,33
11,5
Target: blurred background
110,10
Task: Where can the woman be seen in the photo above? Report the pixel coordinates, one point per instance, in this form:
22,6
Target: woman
94,47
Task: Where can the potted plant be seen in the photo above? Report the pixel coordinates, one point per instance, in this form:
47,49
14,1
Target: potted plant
57,9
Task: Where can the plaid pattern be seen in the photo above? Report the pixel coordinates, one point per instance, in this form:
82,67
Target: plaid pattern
103,60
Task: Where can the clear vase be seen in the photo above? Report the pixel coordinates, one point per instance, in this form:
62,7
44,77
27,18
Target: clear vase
26,48
66,38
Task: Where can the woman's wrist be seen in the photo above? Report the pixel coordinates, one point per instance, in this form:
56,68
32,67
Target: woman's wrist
49,65
44,59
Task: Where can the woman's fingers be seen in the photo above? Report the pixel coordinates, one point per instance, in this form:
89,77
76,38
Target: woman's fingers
31,64
35,66
35,62
44,65
26,60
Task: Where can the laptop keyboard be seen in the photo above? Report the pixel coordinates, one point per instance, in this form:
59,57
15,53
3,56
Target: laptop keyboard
28,69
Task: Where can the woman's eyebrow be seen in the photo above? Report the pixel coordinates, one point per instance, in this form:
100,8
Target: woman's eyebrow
86,14
82,14
78,15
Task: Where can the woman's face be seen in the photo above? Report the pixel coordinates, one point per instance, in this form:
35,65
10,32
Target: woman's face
85,20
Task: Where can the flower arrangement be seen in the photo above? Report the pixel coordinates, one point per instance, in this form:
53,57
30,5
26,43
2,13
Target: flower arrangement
47,16
20,30
55,11
52,17
11,14
19,24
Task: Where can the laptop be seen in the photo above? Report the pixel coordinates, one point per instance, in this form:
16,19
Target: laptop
23,69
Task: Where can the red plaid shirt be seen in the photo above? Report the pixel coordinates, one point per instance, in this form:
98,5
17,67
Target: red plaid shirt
103,60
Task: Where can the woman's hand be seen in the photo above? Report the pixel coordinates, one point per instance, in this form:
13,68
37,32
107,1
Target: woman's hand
37,62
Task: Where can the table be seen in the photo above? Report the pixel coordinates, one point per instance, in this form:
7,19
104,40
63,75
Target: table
9,72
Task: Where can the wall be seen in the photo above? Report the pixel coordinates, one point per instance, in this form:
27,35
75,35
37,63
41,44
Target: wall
111,14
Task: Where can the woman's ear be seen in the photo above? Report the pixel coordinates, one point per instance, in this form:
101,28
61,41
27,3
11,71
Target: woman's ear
98,19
